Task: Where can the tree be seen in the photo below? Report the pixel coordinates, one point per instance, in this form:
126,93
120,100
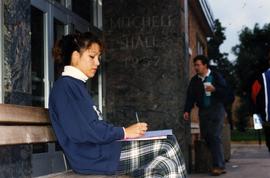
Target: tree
215,41
220,60
251,56
251,61
222,64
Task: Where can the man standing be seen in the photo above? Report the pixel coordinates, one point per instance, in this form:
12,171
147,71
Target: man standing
207,90
260,94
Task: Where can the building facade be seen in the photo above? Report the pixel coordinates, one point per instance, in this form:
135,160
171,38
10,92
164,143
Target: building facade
201,26
145,69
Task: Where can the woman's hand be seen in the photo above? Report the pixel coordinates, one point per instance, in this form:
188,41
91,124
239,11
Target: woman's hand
136,130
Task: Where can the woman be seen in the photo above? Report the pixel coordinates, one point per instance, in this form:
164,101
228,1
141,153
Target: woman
90,144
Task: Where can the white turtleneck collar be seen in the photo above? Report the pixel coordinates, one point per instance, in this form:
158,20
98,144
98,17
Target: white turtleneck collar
75,73
207,74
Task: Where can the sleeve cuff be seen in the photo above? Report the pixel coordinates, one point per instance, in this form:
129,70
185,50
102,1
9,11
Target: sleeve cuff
124,132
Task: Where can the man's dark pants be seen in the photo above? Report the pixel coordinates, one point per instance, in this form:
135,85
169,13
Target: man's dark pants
266,129
211,124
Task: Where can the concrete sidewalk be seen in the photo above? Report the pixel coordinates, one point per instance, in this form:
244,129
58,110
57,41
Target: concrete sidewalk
247,161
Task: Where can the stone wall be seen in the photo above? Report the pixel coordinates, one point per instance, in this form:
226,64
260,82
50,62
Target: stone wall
15,161
145,65
17,52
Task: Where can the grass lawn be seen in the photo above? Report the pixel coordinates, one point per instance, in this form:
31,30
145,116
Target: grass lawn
248,135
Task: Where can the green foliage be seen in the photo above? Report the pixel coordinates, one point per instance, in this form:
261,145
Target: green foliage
215,42
251,56
248,135
250,63
242,114
222,64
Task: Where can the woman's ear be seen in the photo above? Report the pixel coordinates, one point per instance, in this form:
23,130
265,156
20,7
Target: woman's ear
75,57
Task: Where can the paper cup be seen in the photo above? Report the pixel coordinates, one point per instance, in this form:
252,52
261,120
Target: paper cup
207,93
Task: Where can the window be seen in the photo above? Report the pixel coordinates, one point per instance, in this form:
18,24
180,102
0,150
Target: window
1,49
84,8
97,14
200,47
50,21
58,32
60,1
37,56
93,86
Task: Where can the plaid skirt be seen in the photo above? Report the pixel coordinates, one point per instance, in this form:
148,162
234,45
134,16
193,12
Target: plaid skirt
152,159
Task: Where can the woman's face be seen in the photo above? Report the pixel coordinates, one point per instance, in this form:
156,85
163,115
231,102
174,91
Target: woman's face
88,60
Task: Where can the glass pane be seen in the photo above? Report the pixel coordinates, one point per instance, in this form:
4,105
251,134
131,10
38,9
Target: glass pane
84,8
59,32
92,85
60,2
37,57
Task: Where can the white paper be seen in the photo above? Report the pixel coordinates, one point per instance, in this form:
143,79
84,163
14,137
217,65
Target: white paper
257,121
152,135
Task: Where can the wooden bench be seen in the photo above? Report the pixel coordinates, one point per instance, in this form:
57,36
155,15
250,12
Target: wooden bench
21,125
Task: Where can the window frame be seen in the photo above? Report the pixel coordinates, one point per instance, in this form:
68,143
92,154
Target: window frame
1,51
200,47
53,10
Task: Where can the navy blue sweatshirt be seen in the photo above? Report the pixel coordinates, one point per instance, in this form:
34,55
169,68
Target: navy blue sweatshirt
89,144
196,92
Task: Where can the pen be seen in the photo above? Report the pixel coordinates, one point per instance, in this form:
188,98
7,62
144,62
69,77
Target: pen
137,117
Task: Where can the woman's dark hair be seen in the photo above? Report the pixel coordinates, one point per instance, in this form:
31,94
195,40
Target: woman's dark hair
64,47
202,58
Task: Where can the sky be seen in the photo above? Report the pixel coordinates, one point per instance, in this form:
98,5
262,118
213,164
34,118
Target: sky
234,15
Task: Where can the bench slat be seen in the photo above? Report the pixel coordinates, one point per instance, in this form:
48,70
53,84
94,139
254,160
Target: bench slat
11,135
71,174
23,114
28,125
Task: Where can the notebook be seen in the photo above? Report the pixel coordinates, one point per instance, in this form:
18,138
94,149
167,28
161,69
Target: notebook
152,135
